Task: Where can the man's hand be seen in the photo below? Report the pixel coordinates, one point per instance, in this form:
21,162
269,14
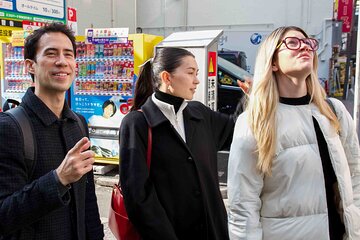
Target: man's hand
78,161
246,85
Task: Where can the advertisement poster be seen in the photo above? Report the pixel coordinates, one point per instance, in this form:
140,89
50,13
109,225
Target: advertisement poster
106,35
104,115
35,11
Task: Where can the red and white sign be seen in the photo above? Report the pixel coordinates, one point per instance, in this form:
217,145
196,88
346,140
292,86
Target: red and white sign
212,64
71,20
31,26
345,10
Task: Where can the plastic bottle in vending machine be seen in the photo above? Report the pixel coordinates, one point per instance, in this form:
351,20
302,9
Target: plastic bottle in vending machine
111,50
12,52
77,69
106,52
21,70
97,69
120,49
93,68
83,49
115,86
93,46
79,74
109,68
115,69
84,69
102,70
78,50
88,69
7,68
101,51
97,46
8,50
105,69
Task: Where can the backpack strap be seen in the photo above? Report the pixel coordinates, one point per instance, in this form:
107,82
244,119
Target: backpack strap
21,118
10,103
81,124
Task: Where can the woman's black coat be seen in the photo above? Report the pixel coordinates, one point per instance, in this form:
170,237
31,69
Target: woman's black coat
181,198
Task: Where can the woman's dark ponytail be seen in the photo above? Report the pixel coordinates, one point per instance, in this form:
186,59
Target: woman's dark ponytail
144,86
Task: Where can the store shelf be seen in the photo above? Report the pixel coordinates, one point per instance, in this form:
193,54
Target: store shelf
105,58
20,59
103,93
15,90
91,79
18,77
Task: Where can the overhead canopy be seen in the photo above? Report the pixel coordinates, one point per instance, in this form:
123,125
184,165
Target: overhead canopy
191,39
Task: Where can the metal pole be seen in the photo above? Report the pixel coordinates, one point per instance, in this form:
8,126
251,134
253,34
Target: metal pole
357,80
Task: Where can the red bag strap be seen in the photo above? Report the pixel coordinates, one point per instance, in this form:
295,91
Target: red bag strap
149,146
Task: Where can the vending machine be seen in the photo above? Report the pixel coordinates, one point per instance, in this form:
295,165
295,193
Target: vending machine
204,45
14,78
106,72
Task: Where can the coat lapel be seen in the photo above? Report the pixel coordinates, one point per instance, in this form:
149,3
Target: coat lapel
190,127
154,117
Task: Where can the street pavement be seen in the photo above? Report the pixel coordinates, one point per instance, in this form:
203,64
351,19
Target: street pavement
104,183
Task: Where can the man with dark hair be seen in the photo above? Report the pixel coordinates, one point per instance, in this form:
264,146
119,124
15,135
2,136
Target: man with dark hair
56,198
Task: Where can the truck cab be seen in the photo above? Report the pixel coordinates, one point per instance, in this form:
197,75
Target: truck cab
229,93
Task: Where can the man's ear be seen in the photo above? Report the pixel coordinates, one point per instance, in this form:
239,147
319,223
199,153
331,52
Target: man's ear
29,64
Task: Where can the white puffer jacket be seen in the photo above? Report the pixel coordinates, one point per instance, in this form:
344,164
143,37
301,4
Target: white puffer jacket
291,204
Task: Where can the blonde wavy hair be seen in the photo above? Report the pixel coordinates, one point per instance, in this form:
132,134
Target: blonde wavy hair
264,97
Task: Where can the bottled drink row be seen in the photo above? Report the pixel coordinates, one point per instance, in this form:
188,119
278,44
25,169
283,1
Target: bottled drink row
104,88
14,52
18,85
84,50
105,69
15,69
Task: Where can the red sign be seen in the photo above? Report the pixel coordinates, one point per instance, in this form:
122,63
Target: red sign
30,26
212,64
124,108
345,10
71,13
71,20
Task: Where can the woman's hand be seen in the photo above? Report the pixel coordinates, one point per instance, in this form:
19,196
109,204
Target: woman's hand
246,85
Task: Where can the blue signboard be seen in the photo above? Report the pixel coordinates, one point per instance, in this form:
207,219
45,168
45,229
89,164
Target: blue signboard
33,10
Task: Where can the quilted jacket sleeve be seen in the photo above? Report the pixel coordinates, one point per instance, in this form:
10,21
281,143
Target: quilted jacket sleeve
244,185
350,141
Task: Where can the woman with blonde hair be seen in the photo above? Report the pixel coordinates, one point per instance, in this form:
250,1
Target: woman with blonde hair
294,165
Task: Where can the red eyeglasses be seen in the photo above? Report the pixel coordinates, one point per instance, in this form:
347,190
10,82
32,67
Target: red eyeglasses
294,43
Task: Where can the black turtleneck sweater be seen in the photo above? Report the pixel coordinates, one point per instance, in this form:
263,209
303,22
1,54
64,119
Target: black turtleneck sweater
336,227
170,99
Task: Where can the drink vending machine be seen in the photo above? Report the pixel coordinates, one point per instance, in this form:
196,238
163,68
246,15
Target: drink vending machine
15,78
106,72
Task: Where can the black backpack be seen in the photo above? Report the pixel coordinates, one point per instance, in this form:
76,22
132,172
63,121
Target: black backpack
21,118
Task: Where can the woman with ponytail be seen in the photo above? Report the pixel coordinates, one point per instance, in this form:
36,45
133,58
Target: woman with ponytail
294,165
178,198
